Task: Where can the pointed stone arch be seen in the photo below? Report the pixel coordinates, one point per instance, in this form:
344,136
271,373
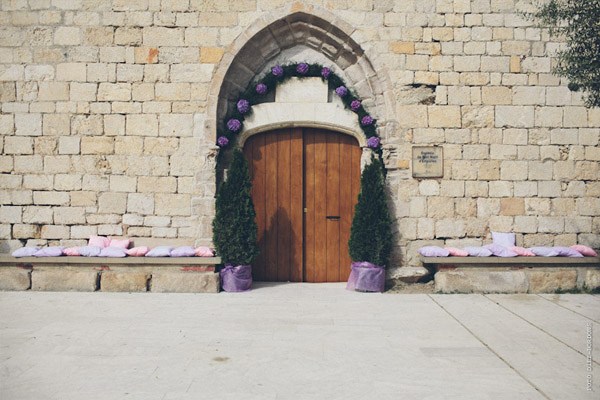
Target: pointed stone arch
330,41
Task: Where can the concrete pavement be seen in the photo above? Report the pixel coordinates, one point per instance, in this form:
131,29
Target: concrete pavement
297,341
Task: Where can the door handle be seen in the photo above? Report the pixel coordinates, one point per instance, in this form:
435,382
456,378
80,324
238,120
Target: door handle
333,217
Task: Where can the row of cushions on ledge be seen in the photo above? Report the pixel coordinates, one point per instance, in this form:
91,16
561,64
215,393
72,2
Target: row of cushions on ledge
100,246
512,251
503,245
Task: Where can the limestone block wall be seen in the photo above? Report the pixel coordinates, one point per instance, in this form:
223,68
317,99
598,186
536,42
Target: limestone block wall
108,116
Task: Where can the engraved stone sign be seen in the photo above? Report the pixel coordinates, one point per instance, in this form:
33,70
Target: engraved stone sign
427,162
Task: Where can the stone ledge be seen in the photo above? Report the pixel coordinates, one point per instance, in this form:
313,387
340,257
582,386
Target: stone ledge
134,274
516,280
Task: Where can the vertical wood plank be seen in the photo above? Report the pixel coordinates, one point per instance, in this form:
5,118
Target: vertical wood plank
321,248
284,205
297,205
271,206
309,204
333,207
346,202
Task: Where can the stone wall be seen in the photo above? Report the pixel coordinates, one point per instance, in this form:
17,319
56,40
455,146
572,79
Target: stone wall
109,111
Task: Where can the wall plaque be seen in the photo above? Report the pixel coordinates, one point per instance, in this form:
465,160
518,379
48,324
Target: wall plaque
427,162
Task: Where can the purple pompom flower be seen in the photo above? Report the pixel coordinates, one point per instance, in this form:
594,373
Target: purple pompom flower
302,68
234,125
366,120
222,141
277,70
355,105
325,72
243,106
373,142
341,91
261,88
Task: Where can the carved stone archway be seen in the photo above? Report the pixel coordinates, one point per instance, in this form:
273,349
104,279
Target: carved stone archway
291,30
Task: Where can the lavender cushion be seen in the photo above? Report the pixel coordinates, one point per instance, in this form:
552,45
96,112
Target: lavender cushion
183,251
585,250
113,252
503,239
433,251
204,251
52,251
500,251
478,251
25,252
89,251
567,252
71,251
544,251
160,251
122,243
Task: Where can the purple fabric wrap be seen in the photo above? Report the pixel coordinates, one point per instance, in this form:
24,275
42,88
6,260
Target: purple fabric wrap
236,278
366,277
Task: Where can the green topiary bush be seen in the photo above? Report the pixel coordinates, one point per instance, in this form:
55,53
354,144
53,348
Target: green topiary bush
234,226
371,233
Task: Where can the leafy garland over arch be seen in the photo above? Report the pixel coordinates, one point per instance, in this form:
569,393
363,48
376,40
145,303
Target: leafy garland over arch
234,120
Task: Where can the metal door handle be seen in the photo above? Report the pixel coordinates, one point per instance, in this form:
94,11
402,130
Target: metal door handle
333,217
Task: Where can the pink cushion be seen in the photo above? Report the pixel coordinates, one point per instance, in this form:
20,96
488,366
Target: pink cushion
183,251
89,251
585,250
71,251
204,251
500,251
521,251
544,251
121,243
503,239
113,252
478,251
99,241
52,251
25,252
567,252
137,251
433,251
457,252
160,251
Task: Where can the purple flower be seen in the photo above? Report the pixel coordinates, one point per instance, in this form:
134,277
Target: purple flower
243,106
355,105
261,88
325,72
222,141
234,125
302,68
366,120
373,142
277,70
341,91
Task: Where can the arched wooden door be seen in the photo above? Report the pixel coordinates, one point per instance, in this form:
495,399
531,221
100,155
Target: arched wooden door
305,184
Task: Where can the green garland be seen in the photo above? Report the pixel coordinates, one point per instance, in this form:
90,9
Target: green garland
234,121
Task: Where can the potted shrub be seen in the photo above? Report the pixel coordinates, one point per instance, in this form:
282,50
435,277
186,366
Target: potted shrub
370,241
234,227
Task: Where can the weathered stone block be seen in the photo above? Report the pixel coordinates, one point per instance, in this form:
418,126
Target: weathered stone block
14,278
592,279
28,124
64,280
551,281
123,281
477,281
185,282
146,55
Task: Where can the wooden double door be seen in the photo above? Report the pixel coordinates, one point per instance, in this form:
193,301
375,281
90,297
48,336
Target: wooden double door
305,184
